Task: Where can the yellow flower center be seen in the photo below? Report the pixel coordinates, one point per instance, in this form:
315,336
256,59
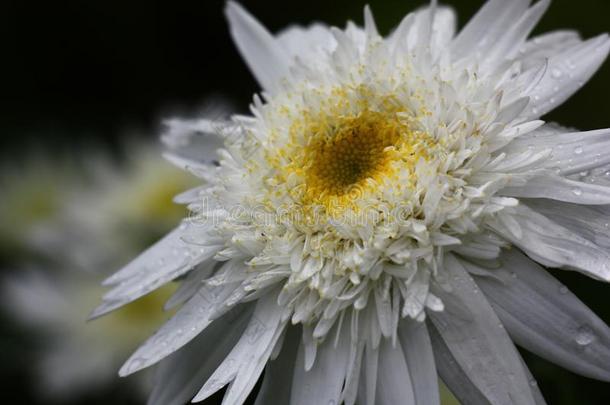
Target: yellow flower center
359,149
340,159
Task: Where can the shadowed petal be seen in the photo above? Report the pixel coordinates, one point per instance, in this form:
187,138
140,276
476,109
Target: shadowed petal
416,346
277,382
478,342
542,316
180,376
393,380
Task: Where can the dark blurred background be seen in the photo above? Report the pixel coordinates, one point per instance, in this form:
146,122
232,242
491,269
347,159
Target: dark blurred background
76,73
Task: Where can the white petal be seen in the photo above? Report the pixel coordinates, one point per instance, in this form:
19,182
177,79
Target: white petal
189,321
591,223
370,371
277,382
417,349
265,57
490,23
571,152
542,316
246,361
555,246
194,139
443,28
393,381
452,374
510,43
167,259
533,384
474,335
559,188
539,48
322,384
307,43
191,284
566,73
178,377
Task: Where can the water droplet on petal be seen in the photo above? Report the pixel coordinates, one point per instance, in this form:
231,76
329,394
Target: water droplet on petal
578,150
556,73
577,191
563,290
584,336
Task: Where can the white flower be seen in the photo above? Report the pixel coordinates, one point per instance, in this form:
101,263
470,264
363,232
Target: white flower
382,216
82,232
32,191
123,210
73,359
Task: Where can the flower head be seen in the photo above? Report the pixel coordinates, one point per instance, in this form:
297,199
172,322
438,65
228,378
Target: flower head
379,216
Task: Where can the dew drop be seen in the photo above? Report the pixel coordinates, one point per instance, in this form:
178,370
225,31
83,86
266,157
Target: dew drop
563,290
556,73
584,173
577,191
584,336
533,383
578,150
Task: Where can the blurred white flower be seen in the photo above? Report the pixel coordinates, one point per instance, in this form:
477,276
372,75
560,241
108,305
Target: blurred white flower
126,208
98,222
77,358
33,191
382,216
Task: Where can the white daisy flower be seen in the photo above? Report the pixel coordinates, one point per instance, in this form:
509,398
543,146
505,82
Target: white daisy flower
382,216
90,229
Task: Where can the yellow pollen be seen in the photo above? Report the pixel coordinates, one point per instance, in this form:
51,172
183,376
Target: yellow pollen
359,149
340,158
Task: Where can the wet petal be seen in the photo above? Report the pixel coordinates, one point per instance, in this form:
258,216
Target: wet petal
542,316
